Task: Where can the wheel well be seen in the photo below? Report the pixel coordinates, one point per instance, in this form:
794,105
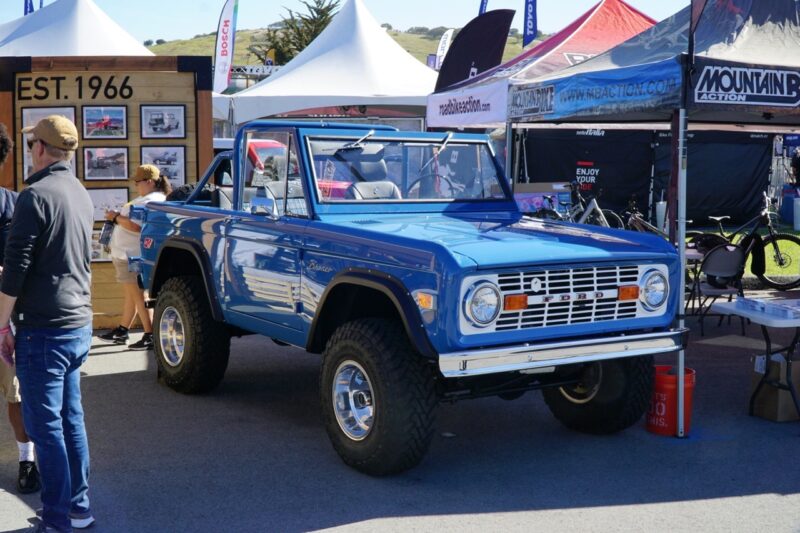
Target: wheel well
348,302
174,262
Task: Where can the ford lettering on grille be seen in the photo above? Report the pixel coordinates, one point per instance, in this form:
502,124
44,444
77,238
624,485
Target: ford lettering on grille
565,297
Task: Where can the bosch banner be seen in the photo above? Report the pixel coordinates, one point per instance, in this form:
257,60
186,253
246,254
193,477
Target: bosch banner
531,27
226,36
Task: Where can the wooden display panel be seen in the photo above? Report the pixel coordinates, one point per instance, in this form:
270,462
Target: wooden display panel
107,96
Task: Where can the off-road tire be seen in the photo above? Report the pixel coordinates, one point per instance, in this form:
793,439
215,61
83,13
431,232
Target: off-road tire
622,397
206,341
403,392
789,277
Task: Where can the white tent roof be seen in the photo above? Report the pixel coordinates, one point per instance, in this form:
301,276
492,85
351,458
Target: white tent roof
68,28
352,62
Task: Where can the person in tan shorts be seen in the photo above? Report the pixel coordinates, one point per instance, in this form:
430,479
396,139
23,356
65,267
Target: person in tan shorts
28,480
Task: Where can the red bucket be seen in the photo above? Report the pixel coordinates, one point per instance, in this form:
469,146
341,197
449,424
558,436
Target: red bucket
662,418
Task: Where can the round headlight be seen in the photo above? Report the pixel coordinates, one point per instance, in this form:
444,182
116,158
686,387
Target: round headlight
654,289
483,303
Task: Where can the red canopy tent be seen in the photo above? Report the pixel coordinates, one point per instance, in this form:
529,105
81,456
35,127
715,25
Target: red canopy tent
482,99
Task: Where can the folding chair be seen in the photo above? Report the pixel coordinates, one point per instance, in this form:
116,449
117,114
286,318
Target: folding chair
721,275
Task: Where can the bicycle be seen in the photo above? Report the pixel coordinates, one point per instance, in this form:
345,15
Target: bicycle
636,221
580,211
781,250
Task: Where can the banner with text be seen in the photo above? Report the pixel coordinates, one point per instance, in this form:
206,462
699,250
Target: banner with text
531,25
226,37
646,89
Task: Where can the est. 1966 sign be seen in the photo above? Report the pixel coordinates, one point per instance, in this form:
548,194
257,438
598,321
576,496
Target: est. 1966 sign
84,87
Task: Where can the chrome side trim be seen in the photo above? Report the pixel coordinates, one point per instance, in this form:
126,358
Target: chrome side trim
526,356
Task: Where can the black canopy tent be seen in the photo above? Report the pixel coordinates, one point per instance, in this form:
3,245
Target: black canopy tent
745,70
729,169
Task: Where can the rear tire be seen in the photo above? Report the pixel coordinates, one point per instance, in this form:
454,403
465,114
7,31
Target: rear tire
378,397
191,348
612,395
613,219
783,265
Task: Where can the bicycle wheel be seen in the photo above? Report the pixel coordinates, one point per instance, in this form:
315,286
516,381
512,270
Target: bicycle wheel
782,258
613,219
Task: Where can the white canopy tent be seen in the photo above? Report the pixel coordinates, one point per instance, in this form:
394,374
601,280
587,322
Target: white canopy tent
353,62
68,28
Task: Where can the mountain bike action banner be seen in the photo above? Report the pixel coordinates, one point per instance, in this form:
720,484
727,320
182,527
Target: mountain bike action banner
640,88
226,39
613,163
726,175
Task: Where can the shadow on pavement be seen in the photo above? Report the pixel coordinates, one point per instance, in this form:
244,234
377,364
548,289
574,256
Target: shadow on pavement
254,456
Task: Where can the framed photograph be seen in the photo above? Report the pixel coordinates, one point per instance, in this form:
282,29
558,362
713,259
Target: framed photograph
99,253
108,163
163,121
171,161
32,115
107,199
105,122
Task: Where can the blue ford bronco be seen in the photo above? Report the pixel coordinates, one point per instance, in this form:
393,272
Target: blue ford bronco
402,258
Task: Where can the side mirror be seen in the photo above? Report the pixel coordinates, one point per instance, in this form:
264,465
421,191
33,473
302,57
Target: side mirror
263,207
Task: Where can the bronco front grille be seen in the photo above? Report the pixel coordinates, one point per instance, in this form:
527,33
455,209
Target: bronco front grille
566,297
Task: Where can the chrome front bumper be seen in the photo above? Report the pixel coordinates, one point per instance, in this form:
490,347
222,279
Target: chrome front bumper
532,356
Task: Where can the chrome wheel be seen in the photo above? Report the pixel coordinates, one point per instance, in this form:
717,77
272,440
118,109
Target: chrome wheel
586,389
171,336
353,400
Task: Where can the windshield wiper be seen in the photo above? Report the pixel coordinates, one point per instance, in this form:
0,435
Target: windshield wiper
357,144
439,149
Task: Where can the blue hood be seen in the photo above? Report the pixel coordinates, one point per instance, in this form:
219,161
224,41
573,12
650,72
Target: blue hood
496,240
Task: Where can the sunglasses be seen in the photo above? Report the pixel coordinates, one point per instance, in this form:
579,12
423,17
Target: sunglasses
31,142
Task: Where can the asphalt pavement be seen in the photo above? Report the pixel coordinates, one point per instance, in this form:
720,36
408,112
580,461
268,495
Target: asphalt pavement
254,456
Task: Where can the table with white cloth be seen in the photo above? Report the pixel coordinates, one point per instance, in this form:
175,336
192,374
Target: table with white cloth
767,320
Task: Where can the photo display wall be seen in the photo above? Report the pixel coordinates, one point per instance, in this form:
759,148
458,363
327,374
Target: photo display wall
124,119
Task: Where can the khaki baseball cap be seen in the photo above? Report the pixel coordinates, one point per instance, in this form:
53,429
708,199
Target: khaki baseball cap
55,130
146,172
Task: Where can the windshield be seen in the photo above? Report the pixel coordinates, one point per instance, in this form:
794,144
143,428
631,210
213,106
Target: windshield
430,170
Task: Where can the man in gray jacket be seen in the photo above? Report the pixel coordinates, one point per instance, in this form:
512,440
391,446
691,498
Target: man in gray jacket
47,283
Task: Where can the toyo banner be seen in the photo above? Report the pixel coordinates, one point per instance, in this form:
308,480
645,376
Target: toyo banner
226,36
531,26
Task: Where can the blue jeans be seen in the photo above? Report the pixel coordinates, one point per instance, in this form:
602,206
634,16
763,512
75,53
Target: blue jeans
48,369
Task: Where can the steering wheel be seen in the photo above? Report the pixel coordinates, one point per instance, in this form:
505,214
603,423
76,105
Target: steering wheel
449,193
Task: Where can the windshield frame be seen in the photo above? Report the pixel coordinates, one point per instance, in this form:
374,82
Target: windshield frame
407,204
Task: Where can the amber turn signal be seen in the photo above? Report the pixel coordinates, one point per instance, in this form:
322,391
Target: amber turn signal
628,292
515,302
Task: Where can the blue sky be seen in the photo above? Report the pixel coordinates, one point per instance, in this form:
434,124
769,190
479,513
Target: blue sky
180,19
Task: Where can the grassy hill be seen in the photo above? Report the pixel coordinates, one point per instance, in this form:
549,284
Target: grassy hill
417,45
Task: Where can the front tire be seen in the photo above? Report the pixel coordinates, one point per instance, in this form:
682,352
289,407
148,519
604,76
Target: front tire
610,396
782,256
191,347
378,397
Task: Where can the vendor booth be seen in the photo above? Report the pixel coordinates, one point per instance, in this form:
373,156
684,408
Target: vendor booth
481,101
130,107
745,70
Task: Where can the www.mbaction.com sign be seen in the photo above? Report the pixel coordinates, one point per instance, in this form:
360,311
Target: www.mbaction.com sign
748,86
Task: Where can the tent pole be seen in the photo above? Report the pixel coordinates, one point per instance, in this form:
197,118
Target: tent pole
509,153
681,242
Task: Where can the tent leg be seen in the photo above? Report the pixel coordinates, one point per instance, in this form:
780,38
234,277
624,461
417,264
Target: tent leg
681,240
509,154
